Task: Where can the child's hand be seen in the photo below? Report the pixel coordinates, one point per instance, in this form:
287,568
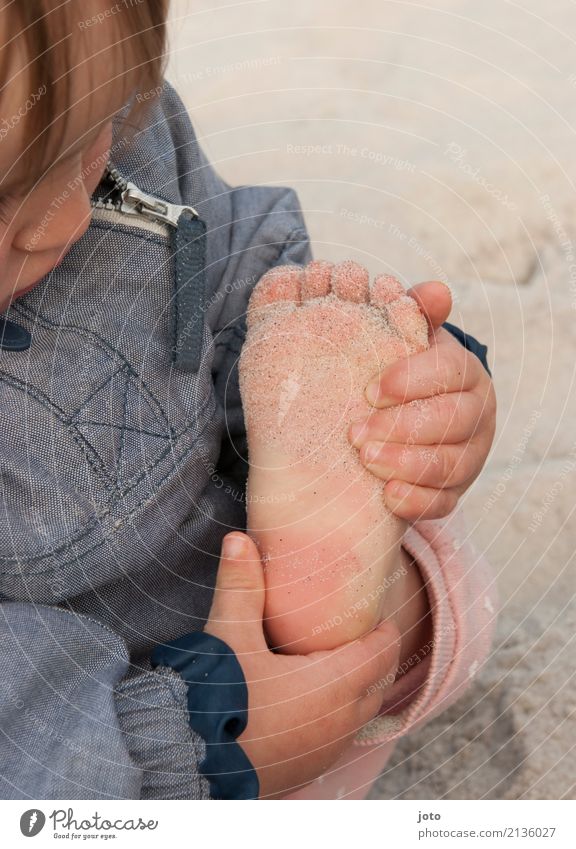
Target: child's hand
303,710
431,450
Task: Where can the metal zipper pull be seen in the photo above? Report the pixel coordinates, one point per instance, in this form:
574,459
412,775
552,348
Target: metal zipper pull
134,201
188,239
137,202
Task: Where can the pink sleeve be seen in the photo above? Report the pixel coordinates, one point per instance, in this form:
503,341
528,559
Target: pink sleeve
463,603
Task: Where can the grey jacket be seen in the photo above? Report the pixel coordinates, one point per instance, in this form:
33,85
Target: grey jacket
121,472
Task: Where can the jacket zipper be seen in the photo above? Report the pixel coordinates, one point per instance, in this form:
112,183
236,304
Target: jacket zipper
128,199
188,243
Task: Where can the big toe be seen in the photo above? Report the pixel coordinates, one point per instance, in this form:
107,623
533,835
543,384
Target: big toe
280,285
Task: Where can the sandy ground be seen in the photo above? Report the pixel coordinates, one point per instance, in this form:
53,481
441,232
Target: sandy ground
436,140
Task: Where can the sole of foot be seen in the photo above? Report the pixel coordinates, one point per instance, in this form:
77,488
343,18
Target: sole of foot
330,547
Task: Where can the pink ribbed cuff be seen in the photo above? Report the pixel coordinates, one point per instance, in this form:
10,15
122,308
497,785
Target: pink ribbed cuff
463,603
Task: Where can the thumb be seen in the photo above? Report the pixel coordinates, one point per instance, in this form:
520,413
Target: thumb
372,660
434,299
383,642
239,593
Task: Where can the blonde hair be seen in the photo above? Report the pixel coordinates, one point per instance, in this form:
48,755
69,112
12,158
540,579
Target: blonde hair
47,34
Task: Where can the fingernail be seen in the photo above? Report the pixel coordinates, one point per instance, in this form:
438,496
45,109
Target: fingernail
375,395
232,546
391,500
371,452
357,431
371,456
394,495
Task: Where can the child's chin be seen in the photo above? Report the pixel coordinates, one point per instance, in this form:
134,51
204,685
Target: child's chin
26,289
7,299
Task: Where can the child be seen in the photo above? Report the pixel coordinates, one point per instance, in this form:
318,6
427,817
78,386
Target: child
124,289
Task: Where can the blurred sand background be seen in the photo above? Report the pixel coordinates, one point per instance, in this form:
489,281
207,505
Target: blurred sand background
438,140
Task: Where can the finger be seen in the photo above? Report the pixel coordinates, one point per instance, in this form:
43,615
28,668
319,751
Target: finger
450,418
434,299
445,367
440,466
366,661
239,594
377,680
414,503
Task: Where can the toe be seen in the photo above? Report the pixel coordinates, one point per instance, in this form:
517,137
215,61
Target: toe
350,281
404,314
316,279
408,320
281,284
385,289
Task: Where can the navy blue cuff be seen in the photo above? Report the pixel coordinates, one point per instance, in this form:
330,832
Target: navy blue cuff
470,344
217,708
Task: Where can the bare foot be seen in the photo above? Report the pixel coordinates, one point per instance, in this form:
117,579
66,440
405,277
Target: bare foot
331,548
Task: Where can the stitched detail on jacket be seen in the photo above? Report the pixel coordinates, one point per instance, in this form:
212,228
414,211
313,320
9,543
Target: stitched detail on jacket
75,559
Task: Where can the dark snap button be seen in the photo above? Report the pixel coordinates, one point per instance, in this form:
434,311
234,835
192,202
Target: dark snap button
13,337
